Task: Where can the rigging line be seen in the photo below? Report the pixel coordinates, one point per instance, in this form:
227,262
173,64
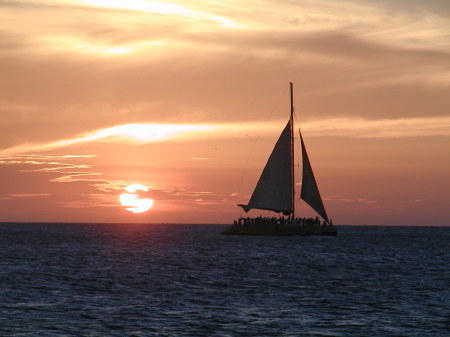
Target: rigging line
297,146
282,95
300,173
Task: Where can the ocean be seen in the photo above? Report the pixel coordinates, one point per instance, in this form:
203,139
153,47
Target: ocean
189,280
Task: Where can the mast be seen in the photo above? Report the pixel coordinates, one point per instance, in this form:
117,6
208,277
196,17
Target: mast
275,190
292,153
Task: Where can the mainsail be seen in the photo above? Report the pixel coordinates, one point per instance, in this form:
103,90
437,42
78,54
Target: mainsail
274,189
310,192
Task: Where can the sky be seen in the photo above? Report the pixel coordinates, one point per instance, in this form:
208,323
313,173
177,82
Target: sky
187,99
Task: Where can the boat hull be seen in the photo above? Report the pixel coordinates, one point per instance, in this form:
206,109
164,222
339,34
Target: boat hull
281,230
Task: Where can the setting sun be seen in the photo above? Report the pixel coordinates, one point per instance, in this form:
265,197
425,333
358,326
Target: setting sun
131,199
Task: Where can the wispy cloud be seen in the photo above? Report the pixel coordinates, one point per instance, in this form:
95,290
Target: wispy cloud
40,158
50,163
189,196
61,168
162,8
384,128
370,203
24,195
92,200
137,133
76,176
143,133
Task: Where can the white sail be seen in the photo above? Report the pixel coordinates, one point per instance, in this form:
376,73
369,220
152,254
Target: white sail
310,192
274,189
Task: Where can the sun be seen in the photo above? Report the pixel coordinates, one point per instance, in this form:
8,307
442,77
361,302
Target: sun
131,199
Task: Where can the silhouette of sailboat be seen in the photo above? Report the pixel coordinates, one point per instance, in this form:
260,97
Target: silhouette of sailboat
275,191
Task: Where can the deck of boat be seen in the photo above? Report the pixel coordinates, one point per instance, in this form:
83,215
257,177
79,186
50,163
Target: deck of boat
281,230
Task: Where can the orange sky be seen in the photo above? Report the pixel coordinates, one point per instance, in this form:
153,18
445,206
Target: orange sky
188,98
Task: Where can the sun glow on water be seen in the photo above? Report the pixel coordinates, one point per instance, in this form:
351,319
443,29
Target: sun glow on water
130,199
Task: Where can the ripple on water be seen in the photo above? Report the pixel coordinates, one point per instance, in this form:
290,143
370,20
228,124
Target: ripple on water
181,280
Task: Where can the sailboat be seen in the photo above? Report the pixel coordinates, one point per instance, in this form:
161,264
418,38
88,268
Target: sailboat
275,191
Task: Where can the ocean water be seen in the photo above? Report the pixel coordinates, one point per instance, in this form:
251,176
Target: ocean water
189,280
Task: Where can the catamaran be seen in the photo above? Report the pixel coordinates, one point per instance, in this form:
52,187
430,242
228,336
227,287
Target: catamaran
275,191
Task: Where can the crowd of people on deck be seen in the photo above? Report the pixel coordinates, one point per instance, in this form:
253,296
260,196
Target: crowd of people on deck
264,221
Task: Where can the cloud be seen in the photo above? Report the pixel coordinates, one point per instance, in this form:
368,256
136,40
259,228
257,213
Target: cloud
24,195
361,202
54,163
92,200
60,168
384,128
144,133
137,133
144,66
162,9
189,197
76,176
92,75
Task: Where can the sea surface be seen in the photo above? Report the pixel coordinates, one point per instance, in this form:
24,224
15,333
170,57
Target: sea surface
189,280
